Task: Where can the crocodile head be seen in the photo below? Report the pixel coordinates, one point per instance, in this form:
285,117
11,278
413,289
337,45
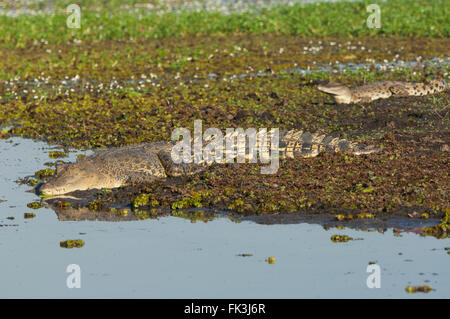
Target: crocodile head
341,93
70,177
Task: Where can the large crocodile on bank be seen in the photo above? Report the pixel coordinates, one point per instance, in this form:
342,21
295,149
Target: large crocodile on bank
381,90
147,162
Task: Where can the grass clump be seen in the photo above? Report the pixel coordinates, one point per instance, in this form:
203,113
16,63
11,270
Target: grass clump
398,17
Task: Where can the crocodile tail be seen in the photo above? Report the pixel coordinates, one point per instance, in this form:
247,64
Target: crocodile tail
342,145
438,85
359,149
304,144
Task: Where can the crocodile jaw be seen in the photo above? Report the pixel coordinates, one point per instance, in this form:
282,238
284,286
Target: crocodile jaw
343,99
341,93
51,189
78,176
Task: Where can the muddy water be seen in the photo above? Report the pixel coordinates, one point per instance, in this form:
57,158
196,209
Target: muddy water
174,258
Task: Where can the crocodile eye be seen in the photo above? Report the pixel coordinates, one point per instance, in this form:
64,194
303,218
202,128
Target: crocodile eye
61,166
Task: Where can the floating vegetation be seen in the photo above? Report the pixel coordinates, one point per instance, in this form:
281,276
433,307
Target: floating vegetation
35,205
43,173
57,154
340,238
122,212
441,230
244,255
31,182
76,243
4,134
29,215
186,202
97,205
341,217
201,215
144,200
236,205
140,200
270,260
142,215
415,289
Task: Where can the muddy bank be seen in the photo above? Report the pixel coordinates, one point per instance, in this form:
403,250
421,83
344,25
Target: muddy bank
408,179
117,93
117,118
203,55
410,175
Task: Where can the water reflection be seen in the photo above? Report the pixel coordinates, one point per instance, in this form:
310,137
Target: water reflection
172,257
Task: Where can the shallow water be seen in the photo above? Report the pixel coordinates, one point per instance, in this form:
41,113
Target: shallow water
174,258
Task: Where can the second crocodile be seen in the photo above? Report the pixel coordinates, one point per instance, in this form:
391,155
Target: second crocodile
381,90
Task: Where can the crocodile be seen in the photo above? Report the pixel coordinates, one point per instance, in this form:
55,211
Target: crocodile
381,90
146,162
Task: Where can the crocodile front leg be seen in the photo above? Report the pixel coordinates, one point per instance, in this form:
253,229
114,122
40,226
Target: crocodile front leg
182,169
146,171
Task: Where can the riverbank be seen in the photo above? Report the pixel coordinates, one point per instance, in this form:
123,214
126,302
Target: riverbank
92,89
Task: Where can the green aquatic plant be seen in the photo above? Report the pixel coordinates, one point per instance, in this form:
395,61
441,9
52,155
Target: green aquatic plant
144,200
415,289
4,134
35,205
186,202
441,230
194,216
76,243
97,205
140,200
340,238
122,212
43,173
57,154
32,182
